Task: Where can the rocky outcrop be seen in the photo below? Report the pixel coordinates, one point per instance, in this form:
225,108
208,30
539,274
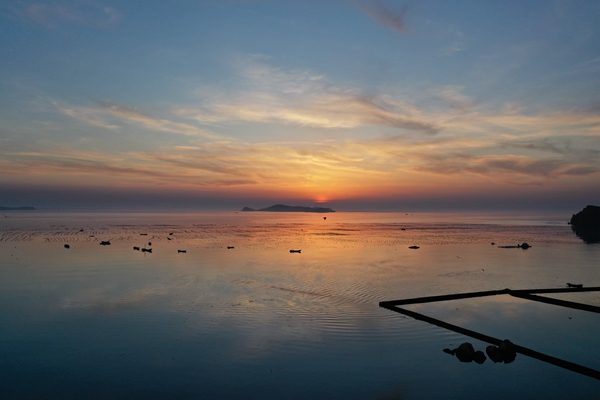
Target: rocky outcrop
466,353
586,224
505,352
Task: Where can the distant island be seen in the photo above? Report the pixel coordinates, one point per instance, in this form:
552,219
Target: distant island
17,208
284,208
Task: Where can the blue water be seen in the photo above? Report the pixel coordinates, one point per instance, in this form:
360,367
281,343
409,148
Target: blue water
257,321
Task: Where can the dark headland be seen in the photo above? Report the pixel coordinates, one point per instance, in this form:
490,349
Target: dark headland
284,208
586,224
17,208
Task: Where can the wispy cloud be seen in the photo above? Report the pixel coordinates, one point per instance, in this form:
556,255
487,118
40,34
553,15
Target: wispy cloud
111,115
387,15
460,144
67,12
270,95
509,165
453,97
347,166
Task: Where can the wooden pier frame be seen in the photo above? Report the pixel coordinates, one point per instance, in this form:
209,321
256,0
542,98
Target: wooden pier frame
527,294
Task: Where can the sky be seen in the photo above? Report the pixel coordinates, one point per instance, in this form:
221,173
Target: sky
353,104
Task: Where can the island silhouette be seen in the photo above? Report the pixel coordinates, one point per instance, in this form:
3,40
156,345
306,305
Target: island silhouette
284,208
586,224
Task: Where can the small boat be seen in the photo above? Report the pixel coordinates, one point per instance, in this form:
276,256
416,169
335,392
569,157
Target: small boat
182,251
105,243
295,251
414,247
230,247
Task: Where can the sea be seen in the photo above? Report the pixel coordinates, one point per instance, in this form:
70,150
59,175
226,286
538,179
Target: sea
221,309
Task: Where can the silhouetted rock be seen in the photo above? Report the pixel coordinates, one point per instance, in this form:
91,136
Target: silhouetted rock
479,357
466,353
586,224
505,352
284,208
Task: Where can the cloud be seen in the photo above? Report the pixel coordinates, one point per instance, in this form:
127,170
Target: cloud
110,115
507,168
270,95
67,12
386,15
453,97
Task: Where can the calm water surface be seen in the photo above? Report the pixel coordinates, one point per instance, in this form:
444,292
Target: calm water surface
256,321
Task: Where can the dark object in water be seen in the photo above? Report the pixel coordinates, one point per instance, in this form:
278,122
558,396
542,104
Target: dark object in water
81,230
295,251
149,243
324,218
523,246
586,224
105,243
230,247
136,248
182,251
493,243
414,247
168,238
67,246
402,229
145,250
528,294
575,285
143,234
466,353
171,233
505,352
